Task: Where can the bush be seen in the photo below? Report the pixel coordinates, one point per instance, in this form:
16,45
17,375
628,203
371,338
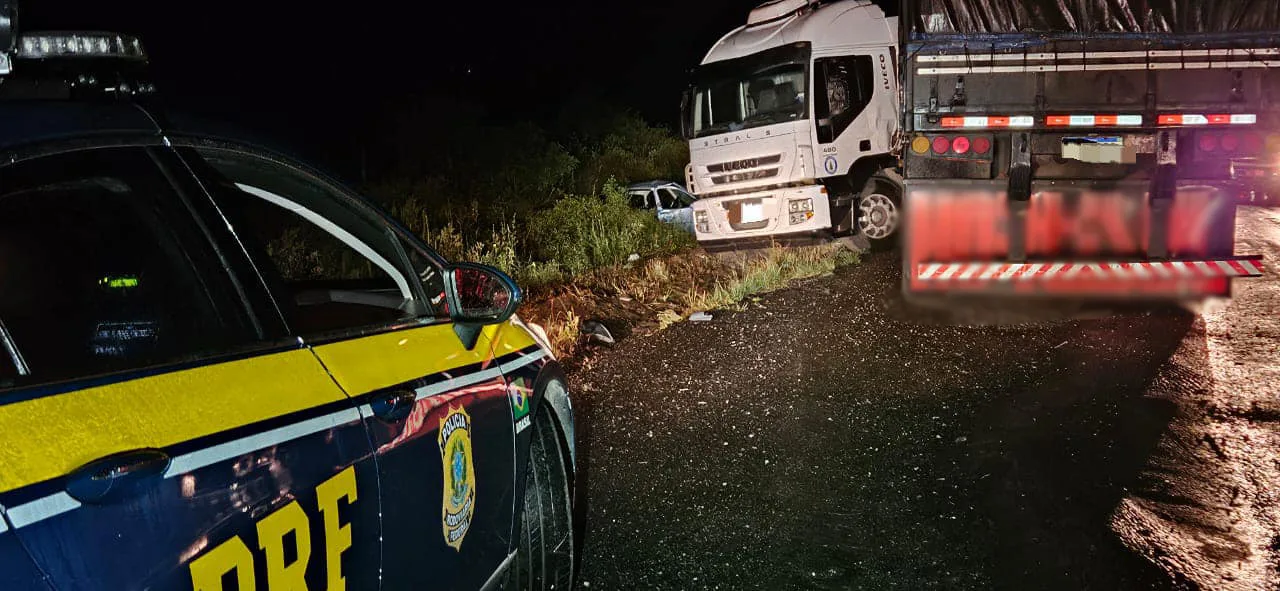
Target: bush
633,151
581,233
516,197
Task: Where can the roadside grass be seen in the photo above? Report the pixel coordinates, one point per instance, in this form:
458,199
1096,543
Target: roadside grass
775,270
654,294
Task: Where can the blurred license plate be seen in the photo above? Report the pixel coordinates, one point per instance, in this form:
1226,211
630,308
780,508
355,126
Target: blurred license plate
752,211
1098,150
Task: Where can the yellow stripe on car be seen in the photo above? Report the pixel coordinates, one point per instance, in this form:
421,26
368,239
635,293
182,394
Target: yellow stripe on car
381,361
374,362
509,338
51,436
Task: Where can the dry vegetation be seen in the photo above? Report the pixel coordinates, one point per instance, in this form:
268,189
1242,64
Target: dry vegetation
651,295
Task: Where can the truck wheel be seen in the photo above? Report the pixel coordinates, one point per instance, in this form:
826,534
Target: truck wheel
545,551
879,212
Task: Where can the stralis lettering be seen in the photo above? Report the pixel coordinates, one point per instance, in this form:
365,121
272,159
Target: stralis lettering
459,496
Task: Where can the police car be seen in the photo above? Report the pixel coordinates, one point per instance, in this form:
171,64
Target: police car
220,369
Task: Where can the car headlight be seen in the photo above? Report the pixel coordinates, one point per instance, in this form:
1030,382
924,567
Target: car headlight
798,205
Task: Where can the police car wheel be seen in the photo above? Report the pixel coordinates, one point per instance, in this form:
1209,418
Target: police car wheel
545,555
879,212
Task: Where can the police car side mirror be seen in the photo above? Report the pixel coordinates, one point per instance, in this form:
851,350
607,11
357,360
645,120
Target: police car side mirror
479,295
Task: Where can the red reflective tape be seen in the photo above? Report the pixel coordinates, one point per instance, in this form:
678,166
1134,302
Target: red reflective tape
998,122
1217,119
1057,120
953,121
1169,120
1107,119
1208,269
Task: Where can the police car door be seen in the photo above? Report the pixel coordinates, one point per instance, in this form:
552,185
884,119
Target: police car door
160,431
437,410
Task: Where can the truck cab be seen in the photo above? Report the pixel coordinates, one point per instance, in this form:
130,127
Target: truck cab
791,122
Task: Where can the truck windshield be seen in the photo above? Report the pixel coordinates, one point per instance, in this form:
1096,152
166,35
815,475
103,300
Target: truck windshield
762,89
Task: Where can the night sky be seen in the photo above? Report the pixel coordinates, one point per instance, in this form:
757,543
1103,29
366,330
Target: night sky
314,74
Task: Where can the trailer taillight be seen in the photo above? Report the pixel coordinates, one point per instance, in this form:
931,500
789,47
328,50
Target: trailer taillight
1233,143
952,147
941,144
1273,143
1230,142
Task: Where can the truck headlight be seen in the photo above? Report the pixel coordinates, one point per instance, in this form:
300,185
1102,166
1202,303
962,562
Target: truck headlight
700,219
801,217
798,205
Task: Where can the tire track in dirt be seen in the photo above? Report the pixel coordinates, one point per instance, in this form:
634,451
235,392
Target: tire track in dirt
1208,506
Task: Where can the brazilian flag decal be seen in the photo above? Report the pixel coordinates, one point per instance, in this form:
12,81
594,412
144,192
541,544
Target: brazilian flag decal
519,392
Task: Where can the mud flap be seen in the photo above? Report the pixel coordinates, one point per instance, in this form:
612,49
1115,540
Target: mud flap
1076,239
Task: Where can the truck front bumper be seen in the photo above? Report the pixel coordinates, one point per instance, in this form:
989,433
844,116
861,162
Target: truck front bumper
759,218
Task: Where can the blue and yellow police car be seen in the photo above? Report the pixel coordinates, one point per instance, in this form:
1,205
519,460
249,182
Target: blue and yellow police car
220,369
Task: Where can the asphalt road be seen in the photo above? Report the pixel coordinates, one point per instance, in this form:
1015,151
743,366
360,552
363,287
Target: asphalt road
830,437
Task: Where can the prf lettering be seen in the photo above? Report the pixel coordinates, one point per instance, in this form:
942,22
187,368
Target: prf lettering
234,556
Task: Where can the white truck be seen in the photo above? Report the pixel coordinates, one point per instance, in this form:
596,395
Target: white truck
792,122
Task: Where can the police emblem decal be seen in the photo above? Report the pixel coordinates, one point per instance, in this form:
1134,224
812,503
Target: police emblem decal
459,497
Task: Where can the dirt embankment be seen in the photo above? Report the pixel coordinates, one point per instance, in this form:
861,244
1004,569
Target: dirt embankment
644,296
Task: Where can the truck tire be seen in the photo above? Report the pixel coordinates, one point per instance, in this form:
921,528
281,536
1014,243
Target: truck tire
545,551
879,212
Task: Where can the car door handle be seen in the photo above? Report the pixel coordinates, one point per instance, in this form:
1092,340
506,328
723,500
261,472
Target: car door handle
117,476
394,405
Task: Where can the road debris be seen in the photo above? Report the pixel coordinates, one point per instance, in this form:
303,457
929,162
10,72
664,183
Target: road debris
597,332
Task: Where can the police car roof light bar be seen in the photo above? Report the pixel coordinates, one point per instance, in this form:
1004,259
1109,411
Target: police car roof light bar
8,32
79,44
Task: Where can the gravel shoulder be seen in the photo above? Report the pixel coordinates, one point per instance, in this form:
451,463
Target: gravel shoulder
829,437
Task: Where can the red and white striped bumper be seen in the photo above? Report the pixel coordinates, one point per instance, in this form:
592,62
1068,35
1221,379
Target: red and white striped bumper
1250,266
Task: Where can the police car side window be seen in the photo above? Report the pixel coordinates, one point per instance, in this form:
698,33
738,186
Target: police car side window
103,269
432,277
331,265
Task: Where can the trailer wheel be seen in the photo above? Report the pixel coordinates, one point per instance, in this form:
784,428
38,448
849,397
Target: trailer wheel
879,212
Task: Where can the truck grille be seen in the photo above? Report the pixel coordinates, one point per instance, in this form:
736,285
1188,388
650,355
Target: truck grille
739,177
744,164
747,169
